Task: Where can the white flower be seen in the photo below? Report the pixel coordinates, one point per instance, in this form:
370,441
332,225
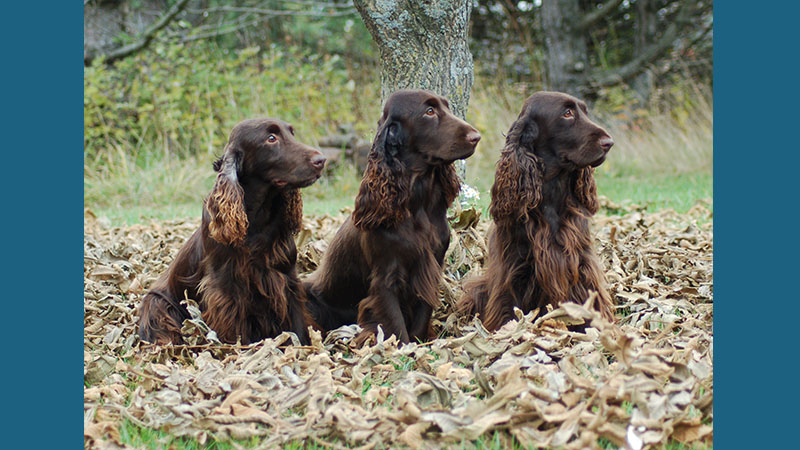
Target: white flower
469,192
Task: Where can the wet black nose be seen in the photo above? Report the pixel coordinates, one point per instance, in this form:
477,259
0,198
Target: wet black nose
318,162
606,143
473,137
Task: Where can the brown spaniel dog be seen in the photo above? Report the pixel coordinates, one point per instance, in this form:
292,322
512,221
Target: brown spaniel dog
240,264
384,265
540,250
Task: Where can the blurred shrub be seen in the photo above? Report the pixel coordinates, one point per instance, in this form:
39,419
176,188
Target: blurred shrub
184,99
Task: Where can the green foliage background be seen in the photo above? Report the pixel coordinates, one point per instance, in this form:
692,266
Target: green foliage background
187,97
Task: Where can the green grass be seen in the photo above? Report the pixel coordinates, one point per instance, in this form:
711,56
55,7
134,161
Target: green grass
333,192
155,198
174,189
679,192
130,189
139,437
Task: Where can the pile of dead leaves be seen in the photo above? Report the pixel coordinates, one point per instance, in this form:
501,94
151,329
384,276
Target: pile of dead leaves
638,383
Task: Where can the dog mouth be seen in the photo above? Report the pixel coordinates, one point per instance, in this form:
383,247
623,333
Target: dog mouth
463,153
281,183
581,160
309,181
469,152
312,180
453,154
598,161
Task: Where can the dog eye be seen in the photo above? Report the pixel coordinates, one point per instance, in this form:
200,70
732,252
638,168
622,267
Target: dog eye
272,139
430,111
568,114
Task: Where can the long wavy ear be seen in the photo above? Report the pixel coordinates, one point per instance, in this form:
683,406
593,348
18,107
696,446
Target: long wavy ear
294,209
518,180
451,184
586,189
225,203
384,192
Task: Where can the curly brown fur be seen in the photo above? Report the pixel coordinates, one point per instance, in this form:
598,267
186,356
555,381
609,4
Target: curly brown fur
384,192
384,265
225,203
540,249
517,187
294,209
240,264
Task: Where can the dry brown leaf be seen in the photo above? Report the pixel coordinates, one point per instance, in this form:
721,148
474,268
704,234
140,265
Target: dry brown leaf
534,379
692,433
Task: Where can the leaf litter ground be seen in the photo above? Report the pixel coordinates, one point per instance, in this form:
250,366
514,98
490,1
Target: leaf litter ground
641,382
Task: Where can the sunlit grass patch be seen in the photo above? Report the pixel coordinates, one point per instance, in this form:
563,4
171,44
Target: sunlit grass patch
657,191
140,437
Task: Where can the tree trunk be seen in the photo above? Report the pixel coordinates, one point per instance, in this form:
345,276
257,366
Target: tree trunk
567,60
423,45
645,34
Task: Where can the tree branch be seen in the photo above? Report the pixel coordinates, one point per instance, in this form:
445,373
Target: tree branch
273,12
221,31
238,23
702,34
147,36
593,17
319,3
649,54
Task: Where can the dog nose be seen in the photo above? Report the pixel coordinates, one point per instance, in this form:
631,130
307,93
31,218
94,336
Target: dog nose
473,137
318,162
606,143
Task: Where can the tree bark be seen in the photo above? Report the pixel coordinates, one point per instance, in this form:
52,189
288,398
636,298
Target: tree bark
567,61
423,45
645,33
